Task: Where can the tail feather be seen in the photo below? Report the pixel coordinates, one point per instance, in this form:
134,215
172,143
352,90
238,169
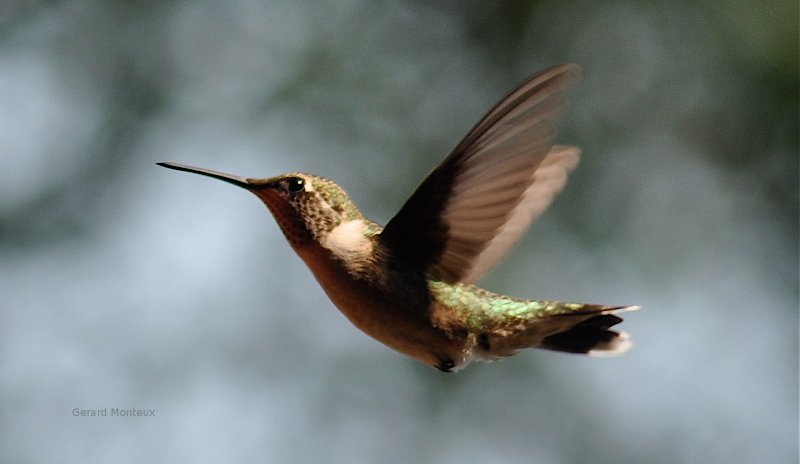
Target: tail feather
584,329
591,336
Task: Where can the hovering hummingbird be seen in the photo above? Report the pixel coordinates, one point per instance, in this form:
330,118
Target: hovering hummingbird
410,285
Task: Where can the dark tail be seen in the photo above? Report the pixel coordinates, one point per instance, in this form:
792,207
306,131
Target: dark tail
591,336
570,327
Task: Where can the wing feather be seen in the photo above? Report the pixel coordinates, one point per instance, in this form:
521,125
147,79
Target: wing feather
549,180
477,203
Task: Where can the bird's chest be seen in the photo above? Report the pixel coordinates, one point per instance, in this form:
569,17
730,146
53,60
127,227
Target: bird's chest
395,313
364,294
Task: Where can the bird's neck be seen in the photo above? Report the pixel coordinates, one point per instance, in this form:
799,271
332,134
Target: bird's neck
350,244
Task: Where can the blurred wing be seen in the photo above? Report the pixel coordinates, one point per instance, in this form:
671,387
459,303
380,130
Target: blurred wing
548,180
475,205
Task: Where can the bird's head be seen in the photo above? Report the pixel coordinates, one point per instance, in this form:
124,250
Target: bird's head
306,207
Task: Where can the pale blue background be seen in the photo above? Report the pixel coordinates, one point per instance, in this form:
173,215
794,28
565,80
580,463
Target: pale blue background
126,285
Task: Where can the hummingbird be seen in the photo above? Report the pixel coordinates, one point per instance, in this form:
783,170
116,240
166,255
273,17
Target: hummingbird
410,284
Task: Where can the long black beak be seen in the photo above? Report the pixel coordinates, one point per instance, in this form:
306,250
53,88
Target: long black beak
229,178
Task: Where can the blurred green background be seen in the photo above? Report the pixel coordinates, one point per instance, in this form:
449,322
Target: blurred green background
124,285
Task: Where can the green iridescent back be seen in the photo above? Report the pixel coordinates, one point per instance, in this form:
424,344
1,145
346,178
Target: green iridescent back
479,310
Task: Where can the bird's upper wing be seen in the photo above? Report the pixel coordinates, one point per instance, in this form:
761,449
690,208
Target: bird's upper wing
476,204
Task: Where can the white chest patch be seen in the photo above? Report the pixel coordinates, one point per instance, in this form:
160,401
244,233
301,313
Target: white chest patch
347,241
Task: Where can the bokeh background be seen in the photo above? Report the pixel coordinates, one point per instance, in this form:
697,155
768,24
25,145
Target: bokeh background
124,285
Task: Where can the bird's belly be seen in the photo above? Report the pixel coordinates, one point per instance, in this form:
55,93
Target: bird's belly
403,325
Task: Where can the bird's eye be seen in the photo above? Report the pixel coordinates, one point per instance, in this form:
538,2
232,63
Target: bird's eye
295,184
